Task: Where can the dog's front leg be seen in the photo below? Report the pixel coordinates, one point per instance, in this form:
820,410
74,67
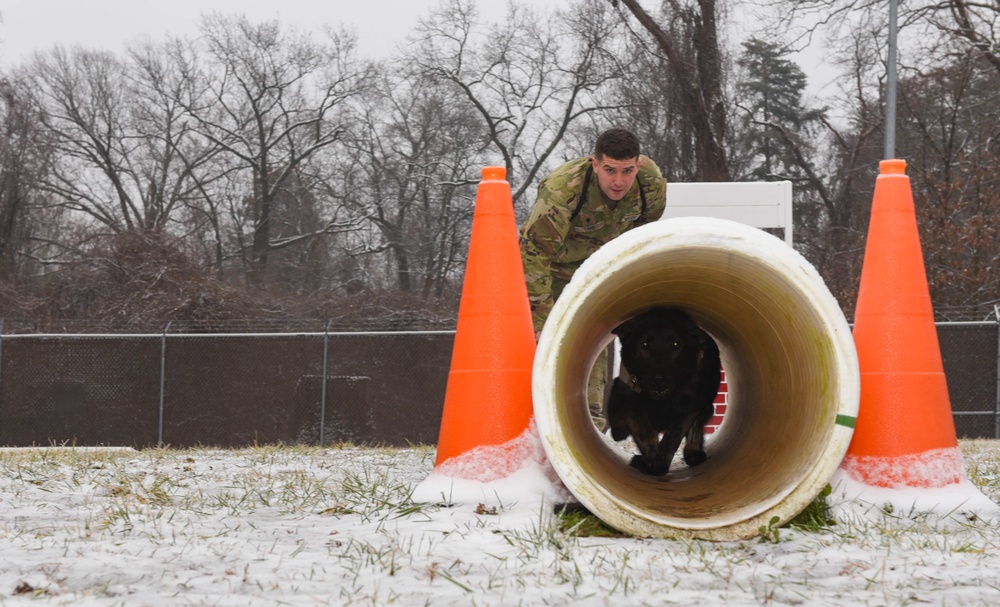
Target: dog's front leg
667,447
647,440
619,410
694,443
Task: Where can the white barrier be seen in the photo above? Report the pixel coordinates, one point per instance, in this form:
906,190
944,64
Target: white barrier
761,204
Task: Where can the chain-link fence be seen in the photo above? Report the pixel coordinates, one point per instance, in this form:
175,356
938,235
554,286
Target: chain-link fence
971,355
229,389
223,389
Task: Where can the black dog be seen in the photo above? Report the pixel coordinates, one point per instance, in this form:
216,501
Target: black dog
675,371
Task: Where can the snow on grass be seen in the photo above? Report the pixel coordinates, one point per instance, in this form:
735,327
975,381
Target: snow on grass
338,526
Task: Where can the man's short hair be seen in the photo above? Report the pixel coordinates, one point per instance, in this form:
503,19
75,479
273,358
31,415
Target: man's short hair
617,144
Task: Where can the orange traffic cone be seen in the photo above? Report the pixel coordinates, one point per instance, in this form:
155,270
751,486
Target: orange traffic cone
488,398
905,434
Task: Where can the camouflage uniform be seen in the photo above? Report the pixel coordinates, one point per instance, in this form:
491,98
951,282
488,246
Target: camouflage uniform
554,244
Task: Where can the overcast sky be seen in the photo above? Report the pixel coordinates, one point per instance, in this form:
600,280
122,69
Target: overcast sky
39,24
29,25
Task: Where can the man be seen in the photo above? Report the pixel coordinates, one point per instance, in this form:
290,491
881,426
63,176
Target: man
582,205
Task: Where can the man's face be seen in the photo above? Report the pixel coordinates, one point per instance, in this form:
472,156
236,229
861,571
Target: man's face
615,177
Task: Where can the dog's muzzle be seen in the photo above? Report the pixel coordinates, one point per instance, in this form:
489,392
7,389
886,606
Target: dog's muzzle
659,388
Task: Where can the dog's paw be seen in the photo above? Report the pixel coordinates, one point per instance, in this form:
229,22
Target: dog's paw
649,466
619,433
638,462
694,458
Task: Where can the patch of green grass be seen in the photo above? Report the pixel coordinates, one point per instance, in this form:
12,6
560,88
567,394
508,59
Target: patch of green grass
581,523
817,516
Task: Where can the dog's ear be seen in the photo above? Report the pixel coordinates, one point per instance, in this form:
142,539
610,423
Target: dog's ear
691,330
625,329
705,343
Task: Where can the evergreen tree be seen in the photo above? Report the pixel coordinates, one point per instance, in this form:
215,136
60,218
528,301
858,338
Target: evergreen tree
771,98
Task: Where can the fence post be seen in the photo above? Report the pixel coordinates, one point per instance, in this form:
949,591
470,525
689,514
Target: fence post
1,353
996,409
163,381
322,392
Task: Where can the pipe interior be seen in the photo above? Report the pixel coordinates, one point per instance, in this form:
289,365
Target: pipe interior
777,358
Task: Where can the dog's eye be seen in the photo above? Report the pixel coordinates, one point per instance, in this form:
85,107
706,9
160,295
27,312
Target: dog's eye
676,345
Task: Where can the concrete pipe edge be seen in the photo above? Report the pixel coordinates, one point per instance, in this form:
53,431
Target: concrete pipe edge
791,368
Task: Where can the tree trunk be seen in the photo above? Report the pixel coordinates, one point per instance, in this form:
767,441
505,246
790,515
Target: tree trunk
700,81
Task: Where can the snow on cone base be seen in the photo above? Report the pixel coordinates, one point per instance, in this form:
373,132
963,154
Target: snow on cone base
488,463
930,482
516,470
935,468
855,496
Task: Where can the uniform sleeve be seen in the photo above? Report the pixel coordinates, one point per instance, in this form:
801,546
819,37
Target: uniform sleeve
542,237
655,187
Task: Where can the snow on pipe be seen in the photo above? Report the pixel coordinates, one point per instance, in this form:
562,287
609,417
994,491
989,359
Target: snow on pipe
790,364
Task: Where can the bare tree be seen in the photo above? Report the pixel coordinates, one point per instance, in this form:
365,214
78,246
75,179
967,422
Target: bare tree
126,156
269,99
87,110
930,30
414,148
946,130
527,78
690,44
832,160
179,164
949,127
24,160
975,23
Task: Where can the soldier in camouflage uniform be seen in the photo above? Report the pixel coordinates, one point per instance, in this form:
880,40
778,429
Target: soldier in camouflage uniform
582,205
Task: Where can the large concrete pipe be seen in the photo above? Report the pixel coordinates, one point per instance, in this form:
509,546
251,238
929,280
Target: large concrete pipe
789,360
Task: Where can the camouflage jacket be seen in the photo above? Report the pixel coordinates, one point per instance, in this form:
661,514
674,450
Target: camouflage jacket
554,243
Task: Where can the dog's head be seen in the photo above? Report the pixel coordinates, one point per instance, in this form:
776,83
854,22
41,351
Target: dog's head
661,349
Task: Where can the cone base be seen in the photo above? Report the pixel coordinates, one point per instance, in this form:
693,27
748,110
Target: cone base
515,471
903,413
483,408
487,463
852,501
935,468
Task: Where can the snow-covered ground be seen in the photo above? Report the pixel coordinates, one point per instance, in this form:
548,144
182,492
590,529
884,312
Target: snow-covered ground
310,526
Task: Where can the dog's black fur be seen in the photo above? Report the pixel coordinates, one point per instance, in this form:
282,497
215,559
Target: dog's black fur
676,373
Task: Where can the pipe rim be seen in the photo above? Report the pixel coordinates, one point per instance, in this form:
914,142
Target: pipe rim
649,506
